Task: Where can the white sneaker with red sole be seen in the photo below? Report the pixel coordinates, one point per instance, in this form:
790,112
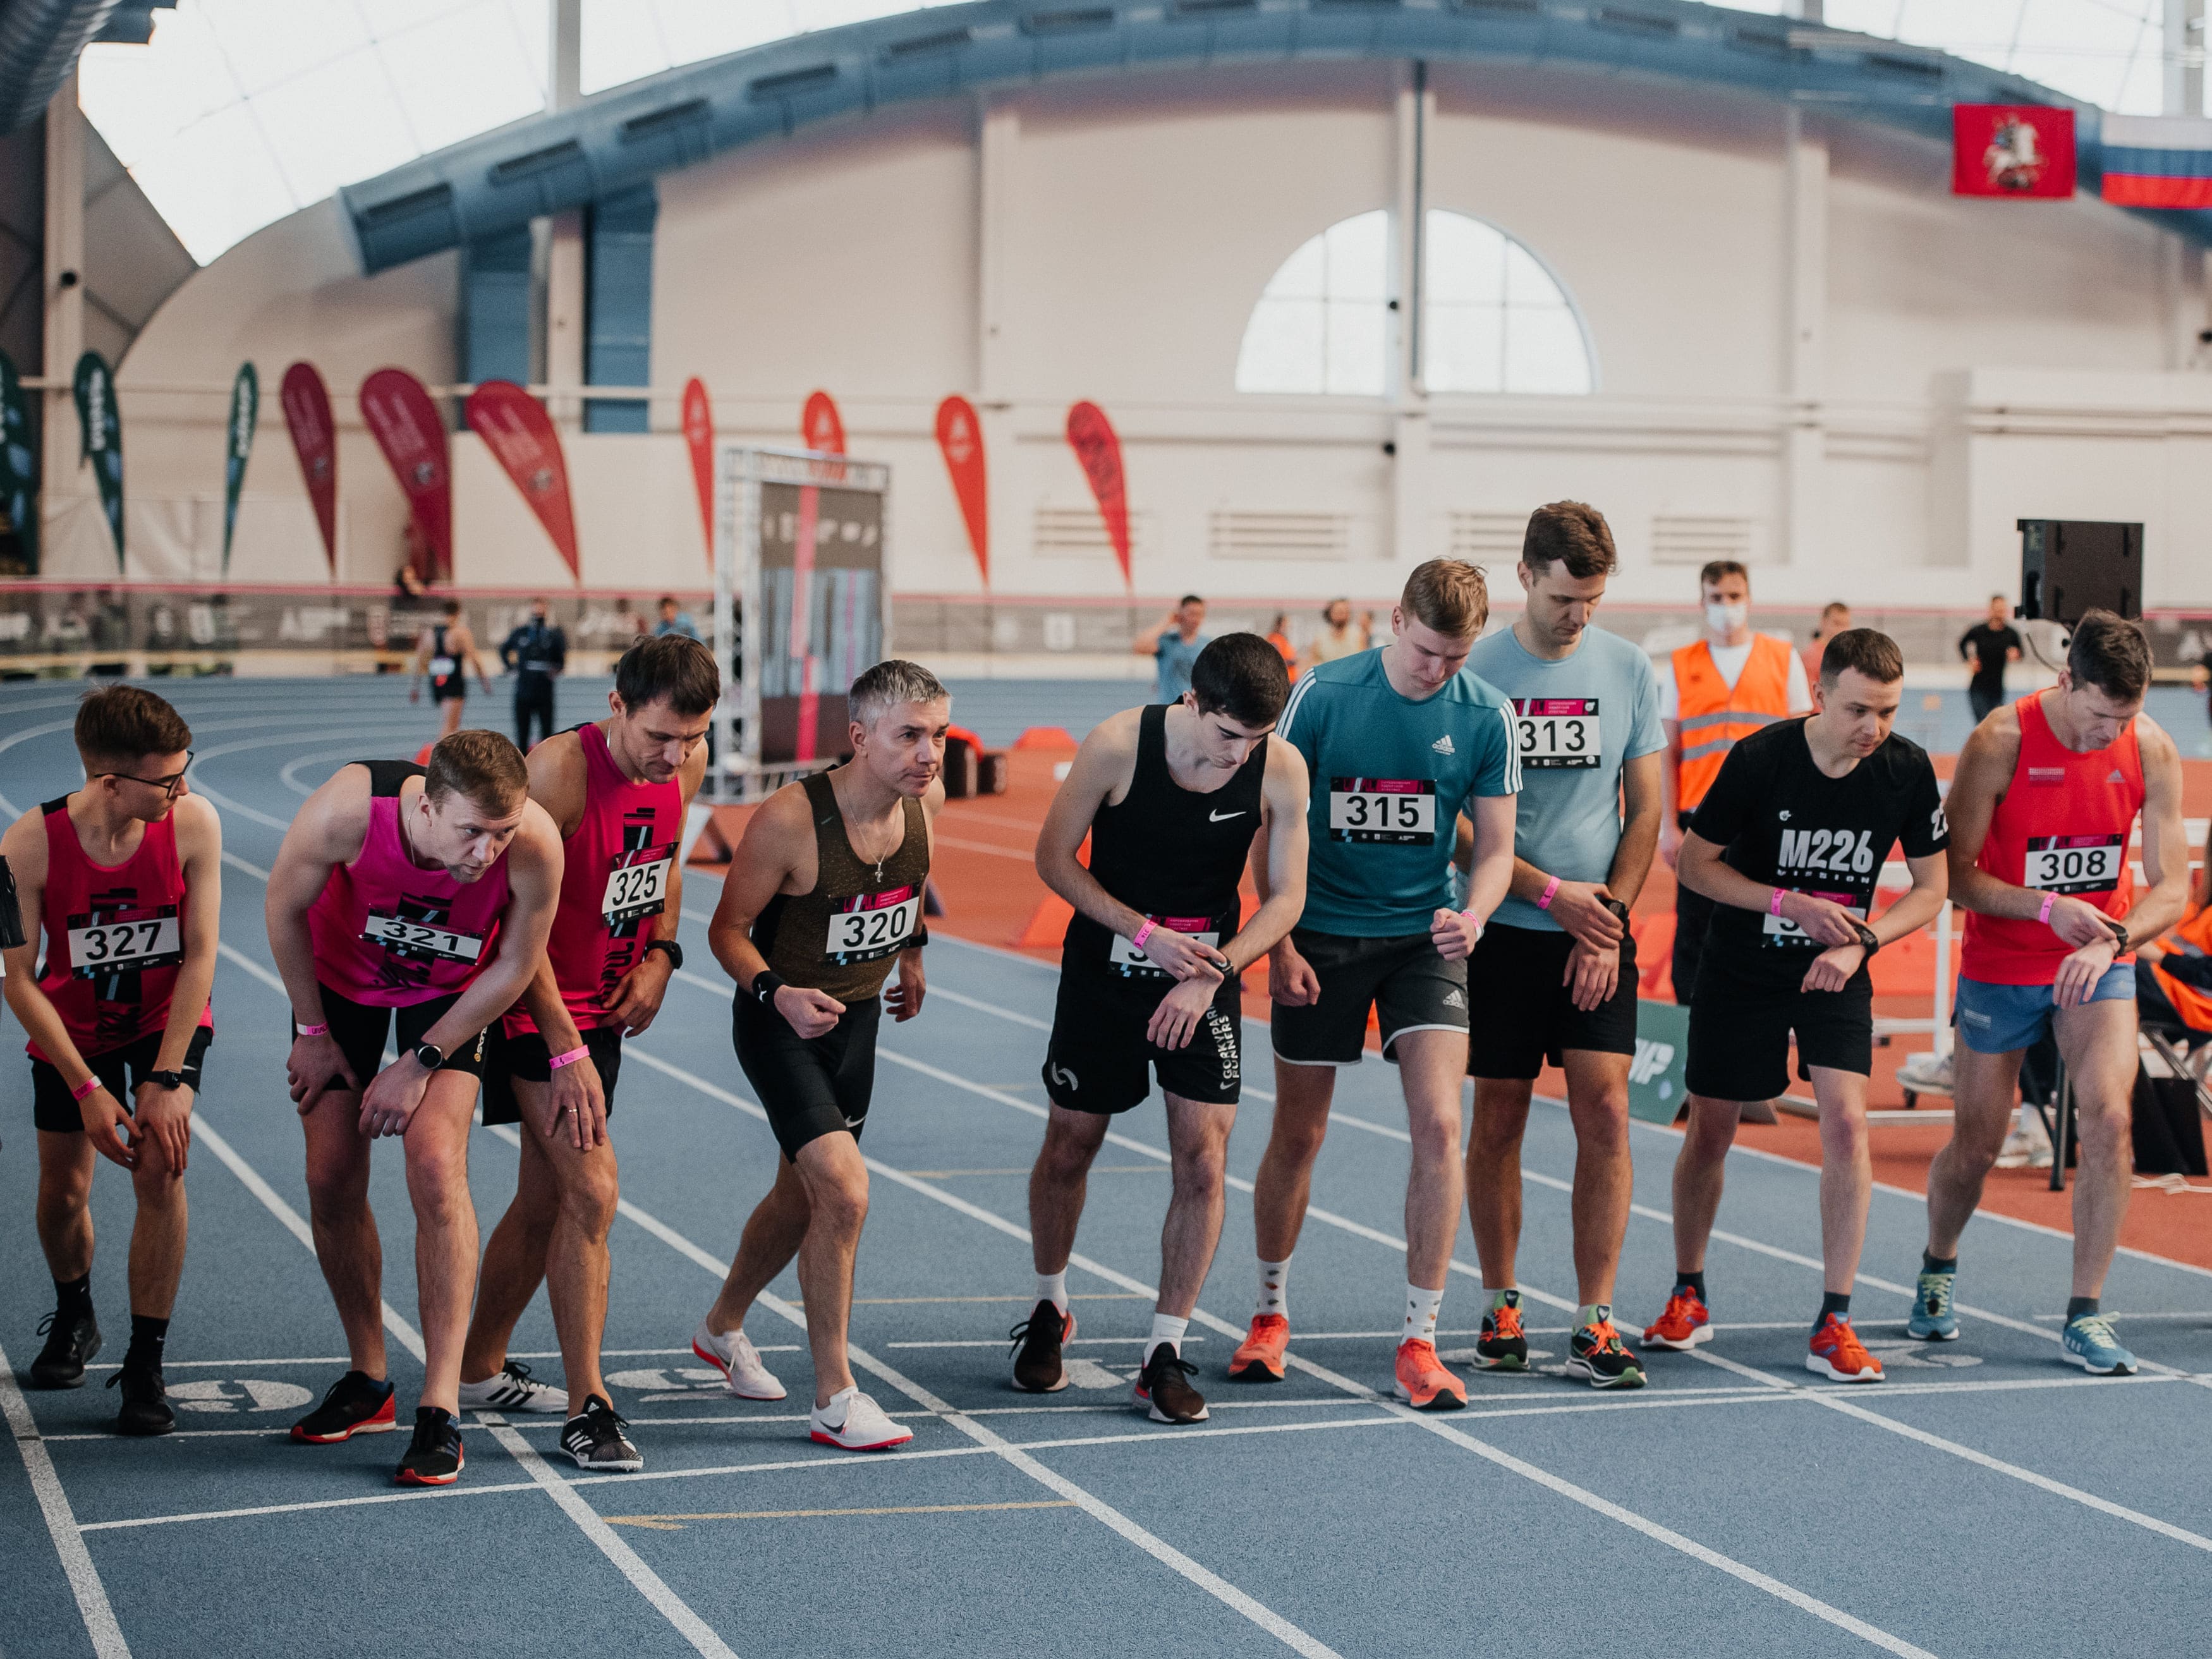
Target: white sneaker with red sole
856,1423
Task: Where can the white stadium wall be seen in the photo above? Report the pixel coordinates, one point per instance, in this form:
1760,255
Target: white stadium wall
1805,349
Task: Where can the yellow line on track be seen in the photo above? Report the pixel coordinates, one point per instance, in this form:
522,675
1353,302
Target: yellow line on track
676,1522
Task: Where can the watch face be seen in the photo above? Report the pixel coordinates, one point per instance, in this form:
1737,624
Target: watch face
430,1056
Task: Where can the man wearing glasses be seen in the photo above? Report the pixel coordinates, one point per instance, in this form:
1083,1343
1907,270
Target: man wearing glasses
124,876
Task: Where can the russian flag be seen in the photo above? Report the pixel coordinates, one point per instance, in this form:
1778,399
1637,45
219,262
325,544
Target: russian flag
2158,161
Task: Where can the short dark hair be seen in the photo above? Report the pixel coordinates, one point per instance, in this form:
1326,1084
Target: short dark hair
1189,598
1717,568
2111,653
452,607
1833,606
1243,677
668,667
1449,595
1868,650
122,723
484,766
1572,533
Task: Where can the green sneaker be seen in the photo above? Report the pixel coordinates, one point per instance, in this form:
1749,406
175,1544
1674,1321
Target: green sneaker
1932,1319
1503,1346
1596,1354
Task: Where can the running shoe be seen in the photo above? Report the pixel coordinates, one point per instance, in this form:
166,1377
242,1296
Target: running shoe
1038,1342
2027,1146
1595,1352
1503,1344
356,1404
856,1423
434,1456
1423,1382
2090,1343
145,1401
595,1439
1686,1323
1932,1319
510,1388
1259,1357
71,1345
1838,1354
733,1354
1164,1388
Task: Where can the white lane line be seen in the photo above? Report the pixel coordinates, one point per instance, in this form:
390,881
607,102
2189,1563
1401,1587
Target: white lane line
229,804
61,1522
262,723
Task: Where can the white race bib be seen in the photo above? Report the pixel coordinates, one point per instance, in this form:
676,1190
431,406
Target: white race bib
2073,864
442,668
121,946
1780,930
873,925
1558,730
1130,960
1400,812
420,938
637,885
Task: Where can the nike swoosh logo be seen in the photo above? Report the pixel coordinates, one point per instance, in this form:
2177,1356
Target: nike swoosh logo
1218,818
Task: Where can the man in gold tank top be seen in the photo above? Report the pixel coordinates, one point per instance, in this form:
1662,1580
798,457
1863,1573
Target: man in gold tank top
823,898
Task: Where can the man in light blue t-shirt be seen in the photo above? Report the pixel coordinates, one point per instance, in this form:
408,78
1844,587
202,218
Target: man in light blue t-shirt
1173,645
1555,974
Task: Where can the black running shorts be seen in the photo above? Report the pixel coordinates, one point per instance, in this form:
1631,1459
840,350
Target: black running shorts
1409,985
361,1028
809,1086
507,1058
1529,1015
54,1109
1740,1027
1100,1061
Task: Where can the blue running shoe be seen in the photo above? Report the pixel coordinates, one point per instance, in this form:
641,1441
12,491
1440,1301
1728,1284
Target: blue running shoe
1932,1319
2091,1344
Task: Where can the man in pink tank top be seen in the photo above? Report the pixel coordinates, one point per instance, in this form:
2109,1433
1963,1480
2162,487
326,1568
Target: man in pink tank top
2041,806
123,877
618,791
419,900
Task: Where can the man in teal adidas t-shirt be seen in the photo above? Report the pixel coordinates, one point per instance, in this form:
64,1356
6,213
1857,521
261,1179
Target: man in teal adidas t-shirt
1555,974
1399,742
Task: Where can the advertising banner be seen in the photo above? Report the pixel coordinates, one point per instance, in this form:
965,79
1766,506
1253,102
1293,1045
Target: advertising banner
100,434
699,439
314,439
397,409
19,475
1091,435
821,574
2019,150
516,428
960,437
821,425
244,410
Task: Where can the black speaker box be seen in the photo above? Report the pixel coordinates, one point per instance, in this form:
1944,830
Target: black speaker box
2070,566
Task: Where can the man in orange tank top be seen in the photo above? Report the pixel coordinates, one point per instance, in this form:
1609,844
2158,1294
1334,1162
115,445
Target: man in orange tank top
2041,806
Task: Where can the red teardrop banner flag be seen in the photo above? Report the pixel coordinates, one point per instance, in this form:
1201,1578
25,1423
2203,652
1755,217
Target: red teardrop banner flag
821,425
1091,435
516,428
960,437
397,409
314,439
699,437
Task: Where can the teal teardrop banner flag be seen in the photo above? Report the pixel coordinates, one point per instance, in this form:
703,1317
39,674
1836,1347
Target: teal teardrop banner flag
19,480
100,436
244,410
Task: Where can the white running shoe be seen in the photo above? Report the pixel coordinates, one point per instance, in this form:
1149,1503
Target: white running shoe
511,1388
740,1362
855,1422
2027,1146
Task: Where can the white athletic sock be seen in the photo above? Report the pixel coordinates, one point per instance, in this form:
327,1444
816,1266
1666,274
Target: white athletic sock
1052,1288
1167,1328
1275,1288
1421,1309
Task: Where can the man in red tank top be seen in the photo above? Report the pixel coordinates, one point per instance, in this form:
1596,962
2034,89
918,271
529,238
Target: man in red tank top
2041,807
123,877
618,791
377,916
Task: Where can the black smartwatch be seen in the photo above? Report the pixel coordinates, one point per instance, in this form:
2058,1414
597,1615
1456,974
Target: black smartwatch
1620,910
668,947
2120,933
428,1055
1869,941
766,984
166,1079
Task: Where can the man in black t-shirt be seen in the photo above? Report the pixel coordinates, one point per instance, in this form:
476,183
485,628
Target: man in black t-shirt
1990,646
1790,842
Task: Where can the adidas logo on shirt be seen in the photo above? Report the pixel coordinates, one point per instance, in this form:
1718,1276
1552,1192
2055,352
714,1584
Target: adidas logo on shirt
1443,745
2116,777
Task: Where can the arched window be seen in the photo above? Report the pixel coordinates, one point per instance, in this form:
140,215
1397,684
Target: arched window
1496,319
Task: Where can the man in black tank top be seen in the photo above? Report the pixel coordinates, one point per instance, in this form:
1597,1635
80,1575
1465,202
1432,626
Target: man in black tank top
1175,798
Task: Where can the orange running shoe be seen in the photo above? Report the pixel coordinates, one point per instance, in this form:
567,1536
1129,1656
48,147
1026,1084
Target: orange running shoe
1259,1358
1838,1354
1684,1325
1423,1381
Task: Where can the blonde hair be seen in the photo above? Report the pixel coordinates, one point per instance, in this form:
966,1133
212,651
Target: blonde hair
1448,595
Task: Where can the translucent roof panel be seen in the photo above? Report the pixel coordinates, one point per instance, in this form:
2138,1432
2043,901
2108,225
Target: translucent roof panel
2106,52
241,111
629,39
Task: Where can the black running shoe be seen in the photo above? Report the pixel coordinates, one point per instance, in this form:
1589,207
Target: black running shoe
71,1345
1038,1342
1503,1346
595,1439
1164,1388
1598,1356
356,1404
145,1401
434,1456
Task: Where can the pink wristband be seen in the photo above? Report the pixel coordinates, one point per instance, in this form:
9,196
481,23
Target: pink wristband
311,1031
1774,904
2043,914
1137,940
1550,890
85,1088
580,1052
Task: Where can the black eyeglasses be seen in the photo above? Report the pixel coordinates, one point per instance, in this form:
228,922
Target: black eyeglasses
168,785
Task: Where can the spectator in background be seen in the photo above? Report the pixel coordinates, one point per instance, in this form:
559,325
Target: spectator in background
406,584
674,620
535,653
1278,635
1835,618
1990,646
1173,644
1339,637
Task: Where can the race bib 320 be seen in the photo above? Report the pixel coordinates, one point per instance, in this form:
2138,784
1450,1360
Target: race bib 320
872,925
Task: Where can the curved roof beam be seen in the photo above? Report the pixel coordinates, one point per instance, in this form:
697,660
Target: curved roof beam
623,136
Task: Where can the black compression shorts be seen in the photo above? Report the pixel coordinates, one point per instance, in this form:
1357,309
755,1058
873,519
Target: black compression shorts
1741,1023
524,1056
1527,1014
809,1086
1099,1058
54,1109
362,1028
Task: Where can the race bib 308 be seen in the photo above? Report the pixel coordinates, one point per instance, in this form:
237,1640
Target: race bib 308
2073,864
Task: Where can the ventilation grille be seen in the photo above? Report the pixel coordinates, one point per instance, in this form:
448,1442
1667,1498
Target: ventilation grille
1077,532
1686,538
1323,537
1484,537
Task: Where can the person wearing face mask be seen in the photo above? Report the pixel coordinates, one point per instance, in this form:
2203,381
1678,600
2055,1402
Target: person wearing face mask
1723,689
